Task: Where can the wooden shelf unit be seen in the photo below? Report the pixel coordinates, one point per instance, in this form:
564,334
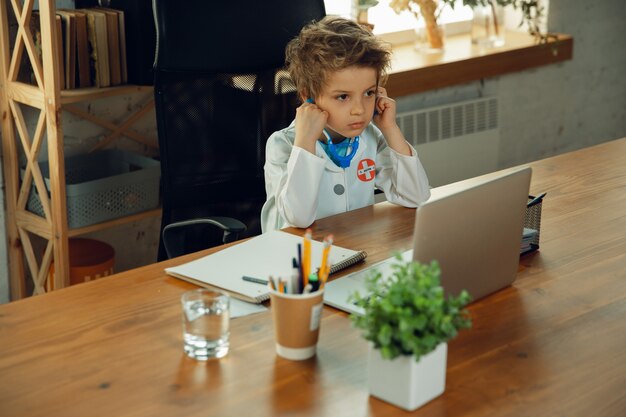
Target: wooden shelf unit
47,97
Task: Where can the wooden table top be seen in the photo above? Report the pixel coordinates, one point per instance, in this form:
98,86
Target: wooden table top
552,344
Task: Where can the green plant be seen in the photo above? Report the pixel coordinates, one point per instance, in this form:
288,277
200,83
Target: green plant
532,10
407,313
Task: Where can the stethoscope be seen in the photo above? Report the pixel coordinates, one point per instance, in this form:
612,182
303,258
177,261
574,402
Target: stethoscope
342,161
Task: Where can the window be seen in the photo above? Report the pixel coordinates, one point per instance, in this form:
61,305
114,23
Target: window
400,28
393,26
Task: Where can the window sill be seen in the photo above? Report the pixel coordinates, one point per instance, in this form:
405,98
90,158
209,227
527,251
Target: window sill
415,72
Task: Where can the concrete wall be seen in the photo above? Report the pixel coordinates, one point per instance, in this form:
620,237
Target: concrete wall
543,112
557,108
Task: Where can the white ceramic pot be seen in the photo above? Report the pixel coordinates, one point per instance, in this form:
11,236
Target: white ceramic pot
404,382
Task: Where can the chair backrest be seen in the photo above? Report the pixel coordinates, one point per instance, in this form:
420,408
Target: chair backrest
220,91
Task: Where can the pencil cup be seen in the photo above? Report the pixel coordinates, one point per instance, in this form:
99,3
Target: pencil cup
296,320
206,316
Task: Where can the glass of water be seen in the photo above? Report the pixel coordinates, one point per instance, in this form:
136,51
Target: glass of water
206,321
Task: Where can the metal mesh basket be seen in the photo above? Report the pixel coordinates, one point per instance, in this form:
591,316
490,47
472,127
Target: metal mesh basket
103,186
532,218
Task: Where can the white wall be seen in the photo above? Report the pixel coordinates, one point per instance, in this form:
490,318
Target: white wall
543,111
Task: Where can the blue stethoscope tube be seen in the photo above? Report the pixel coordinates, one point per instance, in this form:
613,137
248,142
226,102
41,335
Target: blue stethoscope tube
342,161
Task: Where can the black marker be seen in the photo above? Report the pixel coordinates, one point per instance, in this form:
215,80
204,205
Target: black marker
255,280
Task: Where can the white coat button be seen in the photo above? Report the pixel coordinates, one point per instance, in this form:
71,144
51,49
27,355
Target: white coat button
339,189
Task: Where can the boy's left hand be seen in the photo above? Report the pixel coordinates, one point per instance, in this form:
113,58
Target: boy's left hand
385,120
385,116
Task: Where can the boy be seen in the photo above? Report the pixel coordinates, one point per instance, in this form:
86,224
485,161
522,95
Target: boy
331,157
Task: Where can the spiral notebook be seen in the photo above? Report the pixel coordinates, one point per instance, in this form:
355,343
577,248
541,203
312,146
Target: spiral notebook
268,254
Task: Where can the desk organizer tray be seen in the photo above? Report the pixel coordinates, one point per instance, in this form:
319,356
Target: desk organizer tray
532,219
104,185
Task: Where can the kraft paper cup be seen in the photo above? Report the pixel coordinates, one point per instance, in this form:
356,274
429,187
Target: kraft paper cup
296,319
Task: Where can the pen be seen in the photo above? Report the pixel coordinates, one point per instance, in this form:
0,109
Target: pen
294,280
314,282
255,280
536,200
300,277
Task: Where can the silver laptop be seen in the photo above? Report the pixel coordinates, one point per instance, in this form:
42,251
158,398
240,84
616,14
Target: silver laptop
473,228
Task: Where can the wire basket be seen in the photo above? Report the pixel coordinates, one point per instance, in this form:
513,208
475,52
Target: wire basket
104,185
532,219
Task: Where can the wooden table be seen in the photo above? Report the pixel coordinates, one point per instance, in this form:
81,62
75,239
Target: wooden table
553,344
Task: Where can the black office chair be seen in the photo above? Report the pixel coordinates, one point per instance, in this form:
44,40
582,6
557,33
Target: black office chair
219,93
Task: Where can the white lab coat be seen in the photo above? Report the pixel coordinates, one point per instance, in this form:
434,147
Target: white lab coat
302,187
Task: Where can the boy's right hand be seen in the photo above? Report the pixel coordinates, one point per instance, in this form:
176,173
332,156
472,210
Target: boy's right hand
310,121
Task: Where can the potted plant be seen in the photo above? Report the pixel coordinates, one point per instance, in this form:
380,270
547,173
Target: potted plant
408,321
362,6
429,10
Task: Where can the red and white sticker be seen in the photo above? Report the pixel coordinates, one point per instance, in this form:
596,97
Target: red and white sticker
366,170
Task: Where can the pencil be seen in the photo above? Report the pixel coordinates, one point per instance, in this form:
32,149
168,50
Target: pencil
306,257
328,241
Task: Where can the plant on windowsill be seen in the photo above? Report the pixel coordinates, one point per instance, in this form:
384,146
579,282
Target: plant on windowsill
408,321
429,10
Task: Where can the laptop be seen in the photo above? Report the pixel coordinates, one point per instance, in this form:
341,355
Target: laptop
473,228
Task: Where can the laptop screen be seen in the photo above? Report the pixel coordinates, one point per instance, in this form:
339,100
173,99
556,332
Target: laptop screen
473,228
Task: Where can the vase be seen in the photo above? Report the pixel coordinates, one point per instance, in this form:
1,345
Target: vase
404,382
488,26
362,18
430,39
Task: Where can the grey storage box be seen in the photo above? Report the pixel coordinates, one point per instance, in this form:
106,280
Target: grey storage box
104,185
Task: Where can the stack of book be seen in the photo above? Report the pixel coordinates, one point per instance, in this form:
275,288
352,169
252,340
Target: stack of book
92,47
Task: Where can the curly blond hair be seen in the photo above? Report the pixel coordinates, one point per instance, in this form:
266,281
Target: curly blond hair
329,45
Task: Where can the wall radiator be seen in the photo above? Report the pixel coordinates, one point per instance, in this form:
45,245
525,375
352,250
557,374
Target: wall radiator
455,141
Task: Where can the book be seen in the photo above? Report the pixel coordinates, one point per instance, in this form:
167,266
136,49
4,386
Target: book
83,76
123,63
113,43
261,256
69,47
59,52
57,42
98,48
27,68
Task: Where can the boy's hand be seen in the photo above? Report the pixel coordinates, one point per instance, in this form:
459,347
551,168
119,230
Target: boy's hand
385,120
385,117
310,121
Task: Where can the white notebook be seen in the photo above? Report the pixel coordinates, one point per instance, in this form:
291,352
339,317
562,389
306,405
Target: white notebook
261,256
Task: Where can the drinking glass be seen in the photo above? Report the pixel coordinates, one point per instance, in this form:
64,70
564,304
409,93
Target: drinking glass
206,323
